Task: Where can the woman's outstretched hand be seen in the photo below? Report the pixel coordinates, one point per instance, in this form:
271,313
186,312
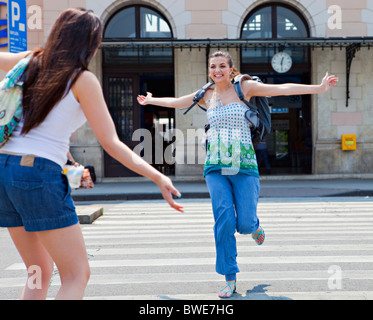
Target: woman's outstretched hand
168,189
328,82
144,100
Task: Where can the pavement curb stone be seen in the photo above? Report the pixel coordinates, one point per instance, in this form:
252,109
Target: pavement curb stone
88,214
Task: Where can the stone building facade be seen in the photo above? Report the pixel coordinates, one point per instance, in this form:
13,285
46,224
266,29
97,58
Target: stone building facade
167,52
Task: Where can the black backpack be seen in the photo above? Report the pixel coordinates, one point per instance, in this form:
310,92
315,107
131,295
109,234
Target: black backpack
258,115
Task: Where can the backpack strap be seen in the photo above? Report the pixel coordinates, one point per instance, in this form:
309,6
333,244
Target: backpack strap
237,86
15,78
199,95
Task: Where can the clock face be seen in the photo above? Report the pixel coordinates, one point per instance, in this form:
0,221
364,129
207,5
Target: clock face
281,62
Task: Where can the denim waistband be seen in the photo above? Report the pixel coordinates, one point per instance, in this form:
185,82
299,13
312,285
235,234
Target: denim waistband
27,161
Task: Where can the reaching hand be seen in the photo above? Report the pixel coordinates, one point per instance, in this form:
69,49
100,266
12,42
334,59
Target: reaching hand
328,82
144,100
167,189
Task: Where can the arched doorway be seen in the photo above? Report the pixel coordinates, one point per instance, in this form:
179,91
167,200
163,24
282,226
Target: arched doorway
129,71
290,143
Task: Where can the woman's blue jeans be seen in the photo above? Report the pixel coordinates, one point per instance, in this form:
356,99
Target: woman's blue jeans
234,203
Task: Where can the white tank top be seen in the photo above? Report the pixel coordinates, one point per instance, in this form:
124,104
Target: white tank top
51,139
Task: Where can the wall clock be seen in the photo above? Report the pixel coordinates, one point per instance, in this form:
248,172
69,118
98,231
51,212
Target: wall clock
281,62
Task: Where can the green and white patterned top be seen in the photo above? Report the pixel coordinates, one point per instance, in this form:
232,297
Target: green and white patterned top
229,146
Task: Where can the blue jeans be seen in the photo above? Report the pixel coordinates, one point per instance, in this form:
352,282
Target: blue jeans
234,202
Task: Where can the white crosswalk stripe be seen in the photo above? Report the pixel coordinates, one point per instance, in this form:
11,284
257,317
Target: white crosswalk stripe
314,249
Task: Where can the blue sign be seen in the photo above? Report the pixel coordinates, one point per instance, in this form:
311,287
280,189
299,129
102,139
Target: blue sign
17,25
3,23
279,110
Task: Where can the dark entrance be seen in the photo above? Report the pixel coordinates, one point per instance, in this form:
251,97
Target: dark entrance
289,144
121,89
132,70
159,121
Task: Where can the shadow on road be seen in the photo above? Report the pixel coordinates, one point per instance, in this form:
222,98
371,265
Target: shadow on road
257,293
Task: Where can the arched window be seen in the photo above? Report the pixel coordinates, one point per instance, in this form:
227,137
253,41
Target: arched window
136,23
274,21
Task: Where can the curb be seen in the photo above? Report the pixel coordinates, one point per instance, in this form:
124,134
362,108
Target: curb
88,214
205,195
137,196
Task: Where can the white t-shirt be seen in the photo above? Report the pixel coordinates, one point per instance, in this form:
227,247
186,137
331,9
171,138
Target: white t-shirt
51,139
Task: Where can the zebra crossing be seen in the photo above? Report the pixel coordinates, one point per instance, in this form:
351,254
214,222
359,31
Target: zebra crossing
314,249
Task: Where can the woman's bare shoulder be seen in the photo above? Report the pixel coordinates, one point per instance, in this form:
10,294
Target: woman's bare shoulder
87,82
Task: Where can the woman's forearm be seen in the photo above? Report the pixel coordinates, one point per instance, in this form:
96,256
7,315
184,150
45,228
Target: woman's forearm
254,88
163,102
122,153
288,89
181,102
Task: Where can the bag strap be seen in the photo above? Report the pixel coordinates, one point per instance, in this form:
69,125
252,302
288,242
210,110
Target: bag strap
14,78
199,95
237,86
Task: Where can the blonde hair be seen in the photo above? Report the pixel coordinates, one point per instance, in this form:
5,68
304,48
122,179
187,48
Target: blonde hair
226,55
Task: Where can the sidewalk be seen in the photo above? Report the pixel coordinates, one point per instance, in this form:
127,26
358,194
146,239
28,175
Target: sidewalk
286,186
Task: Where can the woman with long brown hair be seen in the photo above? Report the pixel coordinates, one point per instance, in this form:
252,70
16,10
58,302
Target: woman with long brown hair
231,169
59,96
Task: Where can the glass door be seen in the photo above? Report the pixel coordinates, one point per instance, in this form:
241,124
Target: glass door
121,92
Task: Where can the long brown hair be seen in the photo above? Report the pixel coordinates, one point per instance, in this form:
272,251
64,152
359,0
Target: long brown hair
72,43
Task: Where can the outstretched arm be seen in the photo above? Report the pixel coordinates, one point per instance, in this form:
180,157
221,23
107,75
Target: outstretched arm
9,60
253,88
182,102
88,92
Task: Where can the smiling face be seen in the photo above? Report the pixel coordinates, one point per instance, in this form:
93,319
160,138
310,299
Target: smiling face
219,69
